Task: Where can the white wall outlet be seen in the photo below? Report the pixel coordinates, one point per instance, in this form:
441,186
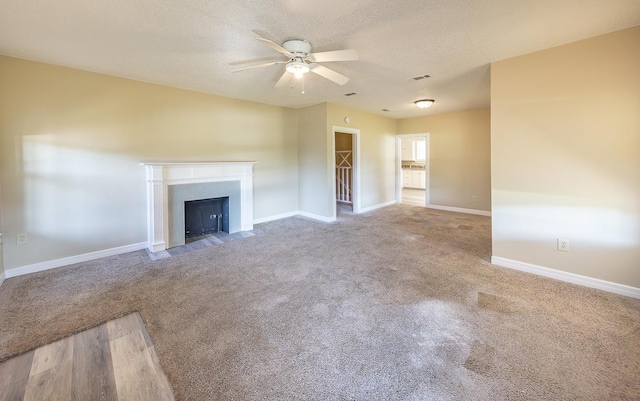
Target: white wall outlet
22,239
474,198
563,245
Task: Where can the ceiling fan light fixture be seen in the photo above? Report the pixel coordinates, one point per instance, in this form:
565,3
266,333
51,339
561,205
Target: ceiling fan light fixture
424,103
300,60
297,68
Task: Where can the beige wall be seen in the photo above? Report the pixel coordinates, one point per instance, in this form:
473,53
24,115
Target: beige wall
377,152
565,150
459,157
71,142
315,155
312,161
1,245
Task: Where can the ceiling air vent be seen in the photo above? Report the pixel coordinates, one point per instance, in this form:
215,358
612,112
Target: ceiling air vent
419,77
350,94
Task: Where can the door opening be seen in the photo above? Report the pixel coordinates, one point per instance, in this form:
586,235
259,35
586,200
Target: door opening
344,171
412,179
346,166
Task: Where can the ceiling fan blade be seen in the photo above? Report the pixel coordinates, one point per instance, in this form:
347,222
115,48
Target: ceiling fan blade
284,80
337,55
259,66
275,46
329,74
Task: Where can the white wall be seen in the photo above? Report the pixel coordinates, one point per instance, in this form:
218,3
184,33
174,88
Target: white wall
565,146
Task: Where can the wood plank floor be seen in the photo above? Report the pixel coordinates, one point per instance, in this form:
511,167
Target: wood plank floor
115,361
415,197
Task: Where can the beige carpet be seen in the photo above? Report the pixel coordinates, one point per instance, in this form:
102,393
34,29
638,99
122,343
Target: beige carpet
396,304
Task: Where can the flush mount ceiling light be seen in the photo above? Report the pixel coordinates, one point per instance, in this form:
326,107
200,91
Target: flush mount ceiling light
424,103
298,67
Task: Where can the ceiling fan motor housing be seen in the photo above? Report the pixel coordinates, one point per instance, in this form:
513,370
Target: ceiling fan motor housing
297,47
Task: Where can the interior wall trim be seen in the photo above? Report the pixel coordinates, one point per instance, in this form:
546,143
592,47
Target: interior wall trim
378,206
573,278
2,277
460,210
85,257
275,217
317,217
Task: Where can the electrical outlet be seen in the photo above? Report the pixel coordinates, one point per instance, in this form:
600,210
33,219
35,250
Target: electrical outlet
563,245
473,198
22,239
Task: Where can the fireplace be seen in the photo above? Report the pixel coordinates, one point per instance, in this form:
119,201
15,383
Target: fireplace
171,185
206,216
179,194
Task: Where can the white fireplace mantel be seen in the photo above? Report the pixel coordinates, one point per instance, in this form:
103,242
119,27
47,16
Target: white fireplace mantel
161,175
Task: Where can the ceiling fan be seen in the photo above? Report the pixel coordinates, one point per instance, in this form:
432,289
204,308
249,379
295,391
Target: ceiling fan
301,60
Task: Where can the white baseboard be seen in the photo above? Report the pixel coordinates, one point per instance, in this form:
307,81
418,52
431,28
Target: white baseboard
2,277
378,206
460,210
317,217
586,281
275,217
85,257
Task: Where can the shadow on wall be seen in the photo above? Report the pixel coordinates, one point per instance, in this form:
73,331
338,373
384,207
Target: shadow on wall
73,200
604,241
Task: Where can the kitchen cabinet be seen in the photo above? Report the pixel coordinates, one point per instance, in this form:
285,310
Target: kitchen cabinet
414,178
407,149
419,179
407,178
413,149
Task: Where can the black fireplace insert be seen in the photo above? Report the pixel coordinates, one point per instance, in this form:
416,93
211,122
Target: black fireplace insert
206,216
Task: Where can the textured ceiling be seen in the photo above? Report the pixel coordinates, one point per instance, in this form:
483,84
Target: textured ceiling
195,44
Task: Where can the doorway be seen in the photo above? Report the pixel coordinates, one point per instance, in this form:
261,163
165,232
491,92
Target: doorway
344,171
346,145
412,178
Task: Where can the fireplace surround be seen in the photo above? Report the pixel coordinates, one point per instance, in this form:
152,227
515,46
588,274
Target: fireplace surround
169,185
